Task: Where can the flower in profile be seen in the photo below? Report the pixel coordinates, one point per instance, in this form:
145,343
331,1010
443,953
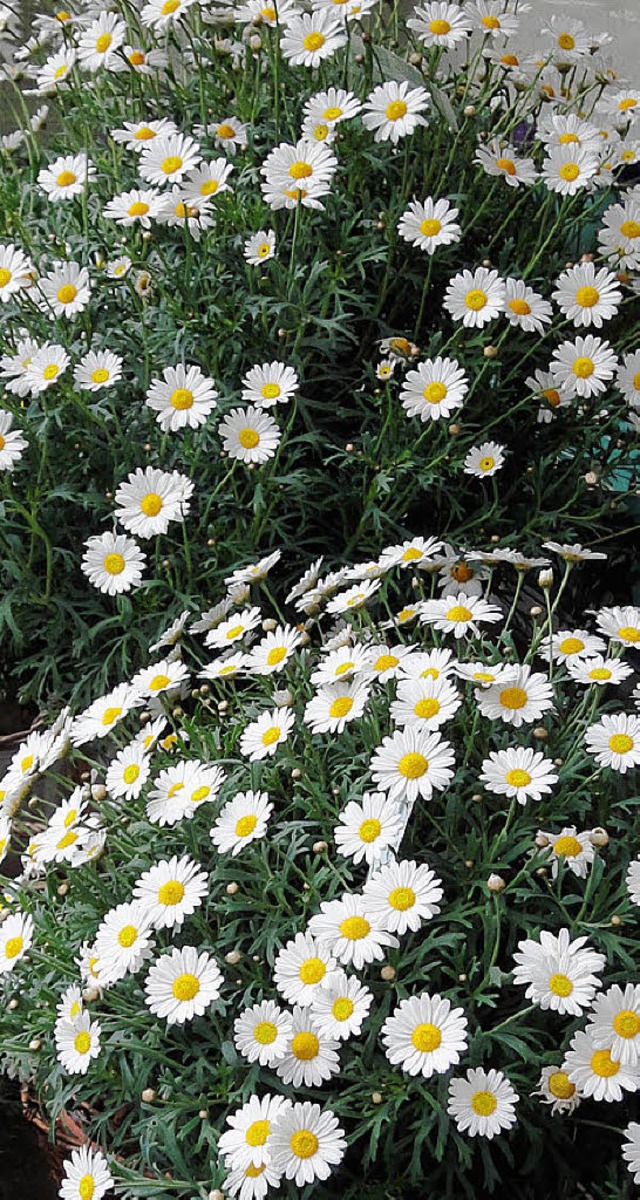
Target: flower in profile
12,443
482,1103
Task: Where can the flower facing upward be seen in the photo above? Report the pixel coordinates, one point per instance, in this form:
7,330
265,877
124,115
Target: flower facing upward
96,370
148,500
614,1023
184,396
269,384
518,772
262,737
587,296
340,1006
366,827
482,1103
168,158
242,820
301,967
429,224
561,974
260,247
425,1035
475,297
568,168
86,1175
525,308
498,160
439,23
16,271
298,174
262,1033
403,894
311,1057
394,110
615,741
412,762
249,435
309,38
484,460
16,936
12,443
171,890
139,206
569,847
306,1143
66,177
113,563
348,930
519,698
594,1070
458,613
631,1150
182,984
434,389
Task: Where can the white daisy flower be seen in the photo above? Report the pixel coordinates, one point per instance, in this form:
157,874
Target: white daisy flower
251,1183
66,177
416,552
179,791
587,296
619,237
160,15
340,664
496,159
262,737
259,12
424,1035
425,703
184,396
311,1057
633,881
85,1174
136,135
556,1089
347,10
100,41
12,443
54,71
595,1072
335,705
427,664
123,941
96,370
16,271
249,435
241,821
475,297
269,384
430,223
274,651
599,670
143,62
614,1023
182,984
168,675
385,368
234,629
484,460
341,1006
615,741
519,698
560,974
393,110
176,210
150,499
325,110
403,894
411,763
262,1033
570,39
306,1143
113,563
631,1149
627,378
301,967
624,104
5,831
245,1143
518,772
128,772
230,135
569,645
568,168
482,1103
298,174
16,937
620,624
168,158
44,368
139,206
171,890
77,1043
435,389
349,931
354,597
309,38
367,827
439,23
173,633
260,247
102,716
575,850
207,182
573,552
458,613
386,662
525,308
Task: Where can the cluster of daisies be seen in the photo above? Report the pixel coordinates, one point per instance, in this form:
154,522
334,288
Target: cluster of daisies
353,657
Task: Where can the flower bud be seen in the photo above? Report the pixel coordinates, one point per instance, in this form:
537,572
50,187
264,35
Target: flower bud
319,847
376,1097
495,883
542,840
233,957
148,1095
12,1005
454,429
35,1044
591,479
232,888
296,773
469,110
203,1114
269,624
535,610
490,352
541,733
90,994
388,973
545,578
599,836
616,920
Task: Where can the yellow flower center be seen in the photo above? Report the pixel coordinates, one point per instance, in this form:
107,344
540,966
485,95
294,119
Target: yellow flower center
402,898
520,306
483,1103
171,164
413,765
332,114
620,743
5,277
567,847
426,1038
225,131
491,23
86,1187
69,839
561,1086
601,673
396,110
103,43
82,1042
313,41
517,778
304,1143
158,682
627,103
370,830
127,936
100,375
569,172
629,634
560,985
63,15
630,229
181,399
439,27
312,970
136,58
571,645
263,249
430,227
626,1023
174,789
271,735
566,42
300,170
276,655
459,613
151,504
305,1046
510,60
252,1172
427,707
144,134
235,632
586,297
604,1065
70,817
169,7
355,928
507,165
435,392
342,668
475,299
200,794
249,438
552,397
257,1133
566,138
271,391
265,1032
114,564
66,178
487,464
67,293
246,825
110,715
171,892
138,209
13,947
209,187
342,1008
341,706
61,71
513,697
385,662
26,763
185,986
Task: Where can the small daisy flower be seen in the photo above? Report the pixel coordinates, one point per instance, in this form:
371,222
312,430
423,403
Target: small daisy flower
160,15
619,237
556,1089
475,297
599,670
16,271
518,772
411,763
262,1033
12,443
561,975
325,110
620,624
269,384
430,223
45,368
168,675
568,168
77,1043
631,1150
385,368
341,1006
309,38
482,1103
525,308
245,1142
136,135
150,499
615,741
595,1072
349,931
249,435
633,881
624,105
136,207
301,967
230,135
261,738
128,772
393,110
496,159
570,39
458,613
100,42
182,984
113,563
425,1035
311,1057
386,662
568,645
168,158
335,705
439,23
241,821
574,552
123,941
85,1174
96,370
306,1143
274,651
614,1023
54,71
66,177
519,698
368,827
425,703
435,389
575,850
427,664
628,378
16,937
171,890
184,396
403,894
587,296
484,460
343,663
354,597
298,174
101,717
251,1183
260,247
234,629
